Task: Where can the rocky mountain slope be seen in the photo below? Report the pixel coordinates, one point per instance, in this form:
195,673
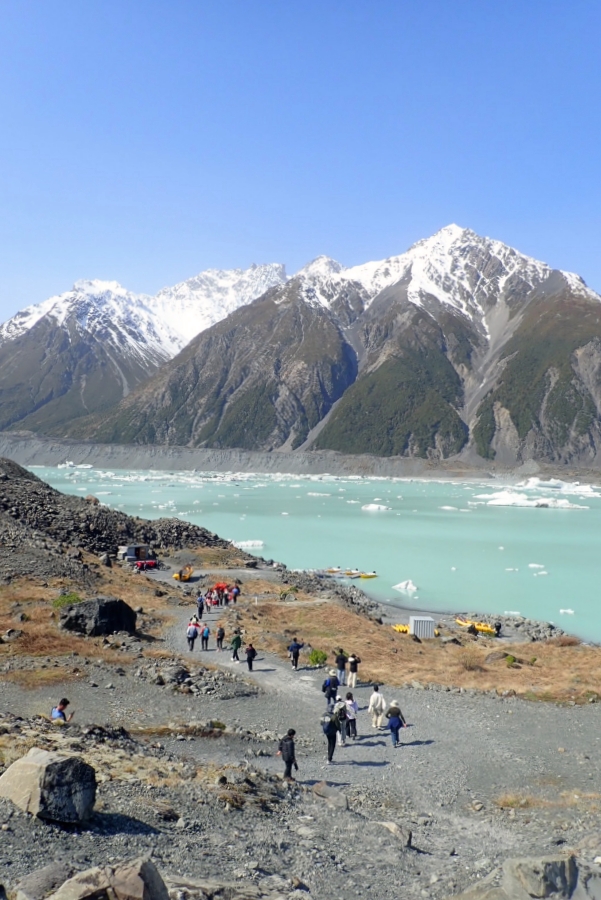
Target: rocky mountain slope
86,349
461,345
42,532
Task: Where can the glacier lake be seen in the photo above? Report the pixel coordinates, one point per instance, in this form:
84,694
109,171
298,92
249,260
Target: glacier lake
529,548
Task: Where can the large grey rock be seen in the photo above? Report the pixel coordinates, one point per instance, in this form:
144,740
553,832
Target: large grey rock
51,786
332,796
545,876
135,880
42,882
103,615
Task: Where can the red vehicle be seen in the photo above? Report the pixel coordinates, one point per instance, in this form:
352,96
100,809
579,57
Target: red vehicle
143,564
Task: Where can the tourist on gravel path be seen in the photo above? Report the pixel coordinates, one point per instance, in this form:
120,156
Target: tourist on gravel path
341,661
288,753
396,721
200,603
330,689
58,713
353,665
191,634
339,712
330,727
294,650
235,645
376,707
220,634
204,637
251,655
352,709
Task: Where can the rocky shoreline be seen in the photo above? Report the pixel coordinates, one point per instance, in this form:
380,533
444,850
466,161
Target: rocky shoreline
30,449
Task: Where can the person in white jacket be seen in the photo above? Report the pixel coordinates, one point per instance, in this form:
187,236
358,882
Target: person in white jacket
376,707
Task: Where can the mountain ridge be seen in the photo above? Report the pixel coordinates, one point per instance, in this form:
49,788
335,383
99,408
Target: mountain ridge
431,353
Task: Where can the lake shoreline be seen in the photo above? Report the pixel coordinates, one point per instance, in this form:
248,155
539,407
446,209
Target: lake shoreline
29,449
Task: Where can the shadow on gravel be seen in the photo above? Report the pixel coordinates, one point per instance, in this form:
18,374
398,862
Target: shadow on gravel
118,823
371,743
417,743
148,638
355,762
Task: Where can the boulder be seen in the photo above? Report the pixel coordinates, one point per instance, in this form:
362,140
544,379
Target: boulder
42,882
401,832
51,786
544,876
135,880
332,796
103,615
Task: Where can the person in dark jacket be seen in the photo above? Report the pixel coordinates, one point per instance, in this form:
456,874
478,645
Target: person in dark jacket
330,689
294,650
341,661
251,654
396,721
331,727
235,645
353,667
288,753
220,634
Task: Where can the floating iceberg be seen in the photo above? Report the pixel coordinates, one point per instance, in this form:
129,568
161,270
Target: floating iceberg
317,494
512,498
248,545
566,612
375,507
450,508
535,566
405,587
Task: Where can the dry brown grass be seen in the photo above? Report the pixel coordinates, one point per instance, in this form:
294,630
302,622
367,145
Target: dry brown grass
562,672
566,799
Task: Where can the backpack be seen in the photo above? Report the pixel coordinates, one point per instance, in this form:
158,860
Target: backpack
326,723
325,685
191,632
340,712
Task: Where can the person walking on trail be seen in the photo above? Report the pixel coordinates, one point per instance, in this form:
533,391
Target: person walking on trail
352,709
353,665
396,721
191,634
339,712
204,637
288,753
330,726
59,714
200,605
341,660
251,655
376,707
219,636
330,689
236,643
294,650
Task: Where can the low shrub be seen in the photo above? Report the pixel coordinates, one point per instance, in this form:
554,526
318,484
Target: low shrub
67,600
469,660
511,661
317,658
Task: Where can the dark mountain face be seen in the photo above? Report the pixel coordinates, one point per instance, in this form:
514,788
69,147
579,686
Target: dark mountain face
459,346
259,380
51,375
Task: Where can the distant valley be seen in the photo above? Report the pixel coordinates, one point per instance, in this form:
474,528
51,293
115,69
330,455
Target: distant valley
459,348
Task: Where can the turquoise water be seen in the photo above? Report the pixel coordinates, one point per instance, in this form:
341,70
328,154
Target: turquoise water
465,546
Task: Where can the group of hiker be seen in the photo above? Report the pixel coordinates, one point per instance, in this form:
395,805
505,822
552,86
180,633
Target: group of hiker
197,628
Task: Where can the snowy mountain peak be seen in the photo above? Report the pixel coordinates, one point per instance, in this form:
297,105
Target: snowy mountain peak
320,267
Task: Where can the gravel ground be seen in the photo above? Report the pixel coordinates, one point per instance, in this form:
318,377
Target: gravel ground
461,754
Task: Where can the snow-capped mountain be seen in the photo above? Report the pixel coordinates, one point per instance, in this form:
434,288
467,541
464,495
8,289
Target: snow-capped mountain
161,325
86,349
459,345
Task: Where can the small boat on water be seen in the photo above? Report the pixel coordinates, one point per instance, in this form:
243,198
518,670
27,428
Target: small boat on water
352,573
481,627
334,570
368,575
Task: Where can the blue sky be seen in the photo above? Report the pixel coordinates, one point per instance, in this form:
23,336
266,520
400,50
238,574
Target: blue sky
146,141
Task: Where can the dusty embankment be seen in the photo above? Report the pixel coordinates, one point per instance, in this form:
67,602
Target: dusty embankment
29,449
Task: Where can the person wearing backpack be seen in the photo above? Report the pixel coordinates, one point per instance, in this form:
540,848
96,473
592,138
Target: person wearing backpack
353,665
339,712
330,689
288,753
352,709
251,655
220,634
204,637
330,727
235,645
191,634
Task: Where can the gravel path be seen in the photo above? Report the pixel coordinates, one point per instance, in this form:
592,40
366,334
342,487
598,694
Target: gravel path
461,754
